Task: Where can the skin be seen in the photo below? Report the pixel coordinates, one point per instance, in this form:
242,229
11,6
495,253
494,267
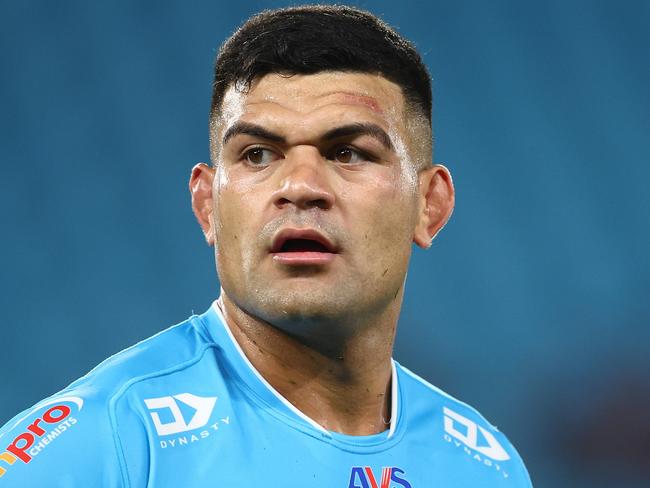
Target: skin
323,334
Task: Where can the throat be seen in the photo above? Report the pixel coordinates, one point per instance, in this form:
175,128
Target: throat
348,392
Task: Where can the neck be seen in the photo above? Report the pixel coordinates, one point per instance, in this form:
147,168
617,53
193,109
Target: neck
349,392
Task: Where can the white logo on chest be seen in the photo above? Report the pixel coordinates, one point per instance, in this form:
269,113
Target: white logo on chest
493,449
203,407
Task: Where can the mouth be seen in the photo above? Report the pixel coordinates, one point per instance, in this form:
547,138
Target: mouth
302,247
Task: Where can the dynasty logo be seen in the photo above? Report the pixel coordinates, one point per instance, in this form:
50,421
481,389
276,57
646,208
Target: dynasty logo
169,420
43,431
477,442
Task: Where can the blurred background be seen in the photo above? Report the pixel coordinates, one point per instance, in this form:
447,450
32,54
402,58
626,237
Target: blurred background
533,305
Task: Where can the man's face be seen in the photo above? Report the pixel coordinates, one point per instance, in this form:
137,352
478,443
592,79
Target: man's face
315,197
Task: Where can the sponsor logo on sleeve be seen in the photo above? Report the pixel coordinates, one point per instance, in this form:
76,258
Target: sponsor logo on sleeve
56,418
170,417
390,477
476,441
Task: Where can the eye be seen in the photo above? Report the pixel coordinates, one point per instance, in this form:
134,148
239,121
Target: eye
348,155
259,156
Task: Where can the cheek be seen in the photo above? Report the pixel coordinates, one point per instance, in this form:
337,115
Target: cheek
235,233
387,218
233,209
397,197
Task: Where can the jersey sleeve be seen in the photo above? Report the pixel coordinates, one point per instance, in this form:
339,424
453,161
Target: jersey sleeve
64,441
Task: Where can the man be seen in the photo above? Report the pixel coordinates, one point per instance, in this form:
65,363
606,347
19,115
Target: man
321,179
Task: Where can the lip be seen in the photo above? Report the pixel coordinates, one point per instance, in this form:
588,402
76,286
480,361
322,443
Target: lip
302,257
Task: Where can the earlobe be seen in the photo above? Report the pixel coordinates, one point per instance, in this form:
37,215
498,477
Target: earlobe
436,204
200,186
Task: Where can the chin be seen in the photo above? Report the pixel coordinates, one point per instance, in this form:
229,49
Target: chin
305,306
322,325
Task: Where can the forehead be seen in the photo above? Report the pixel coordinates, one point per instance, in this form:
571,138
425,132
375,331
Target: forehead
317,96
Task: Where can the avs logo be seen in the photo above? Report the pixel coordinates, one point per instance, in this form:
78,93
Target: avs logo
40,433
363,477
181,413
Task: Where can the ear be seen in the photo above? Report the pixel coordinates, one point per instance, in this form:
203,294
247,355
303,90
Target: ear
201,191
436,195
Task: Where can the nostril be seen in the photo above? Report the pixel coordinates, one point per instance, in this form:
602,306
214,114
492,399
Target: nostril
319,203
283,201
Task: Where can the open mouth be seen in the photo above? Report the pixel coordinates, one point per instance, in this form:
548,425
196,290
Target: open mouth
303,245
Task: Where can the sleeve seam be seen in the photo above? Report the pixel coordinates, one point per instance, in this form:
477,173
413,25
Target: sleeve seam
117,442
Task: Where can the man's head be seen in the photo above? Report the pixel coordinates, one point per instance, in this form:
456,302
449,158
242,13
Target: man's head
317,38
321,143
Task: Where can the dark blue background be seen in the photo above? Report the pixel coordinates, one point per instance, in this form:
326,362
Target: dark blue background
532,305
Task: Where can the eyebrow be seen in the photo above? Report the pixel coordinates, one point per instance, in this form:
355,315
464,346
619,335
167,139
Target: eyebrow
355,129
360,129
252,130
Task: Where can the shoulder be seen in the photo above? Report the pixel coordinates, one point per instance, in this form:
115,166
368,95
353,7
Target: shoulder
170,349
77,437
464,435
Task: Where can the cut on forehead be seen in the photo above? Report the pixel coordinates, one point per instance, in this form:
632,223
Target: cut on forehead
361,99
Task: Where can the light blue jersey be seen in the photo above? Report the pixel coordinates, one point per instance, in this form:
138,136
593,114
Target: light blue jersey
186,408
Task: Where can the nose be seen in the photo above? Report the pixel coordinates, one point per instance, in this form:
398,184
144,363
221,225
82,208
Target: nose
304,181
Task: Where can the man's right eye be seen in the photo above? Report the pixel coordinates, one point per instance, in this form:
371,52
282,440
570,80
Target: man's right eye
259,156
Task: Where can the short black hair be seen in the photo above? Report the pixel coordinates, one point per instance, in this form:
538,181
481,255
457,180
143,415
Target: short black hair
314,38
